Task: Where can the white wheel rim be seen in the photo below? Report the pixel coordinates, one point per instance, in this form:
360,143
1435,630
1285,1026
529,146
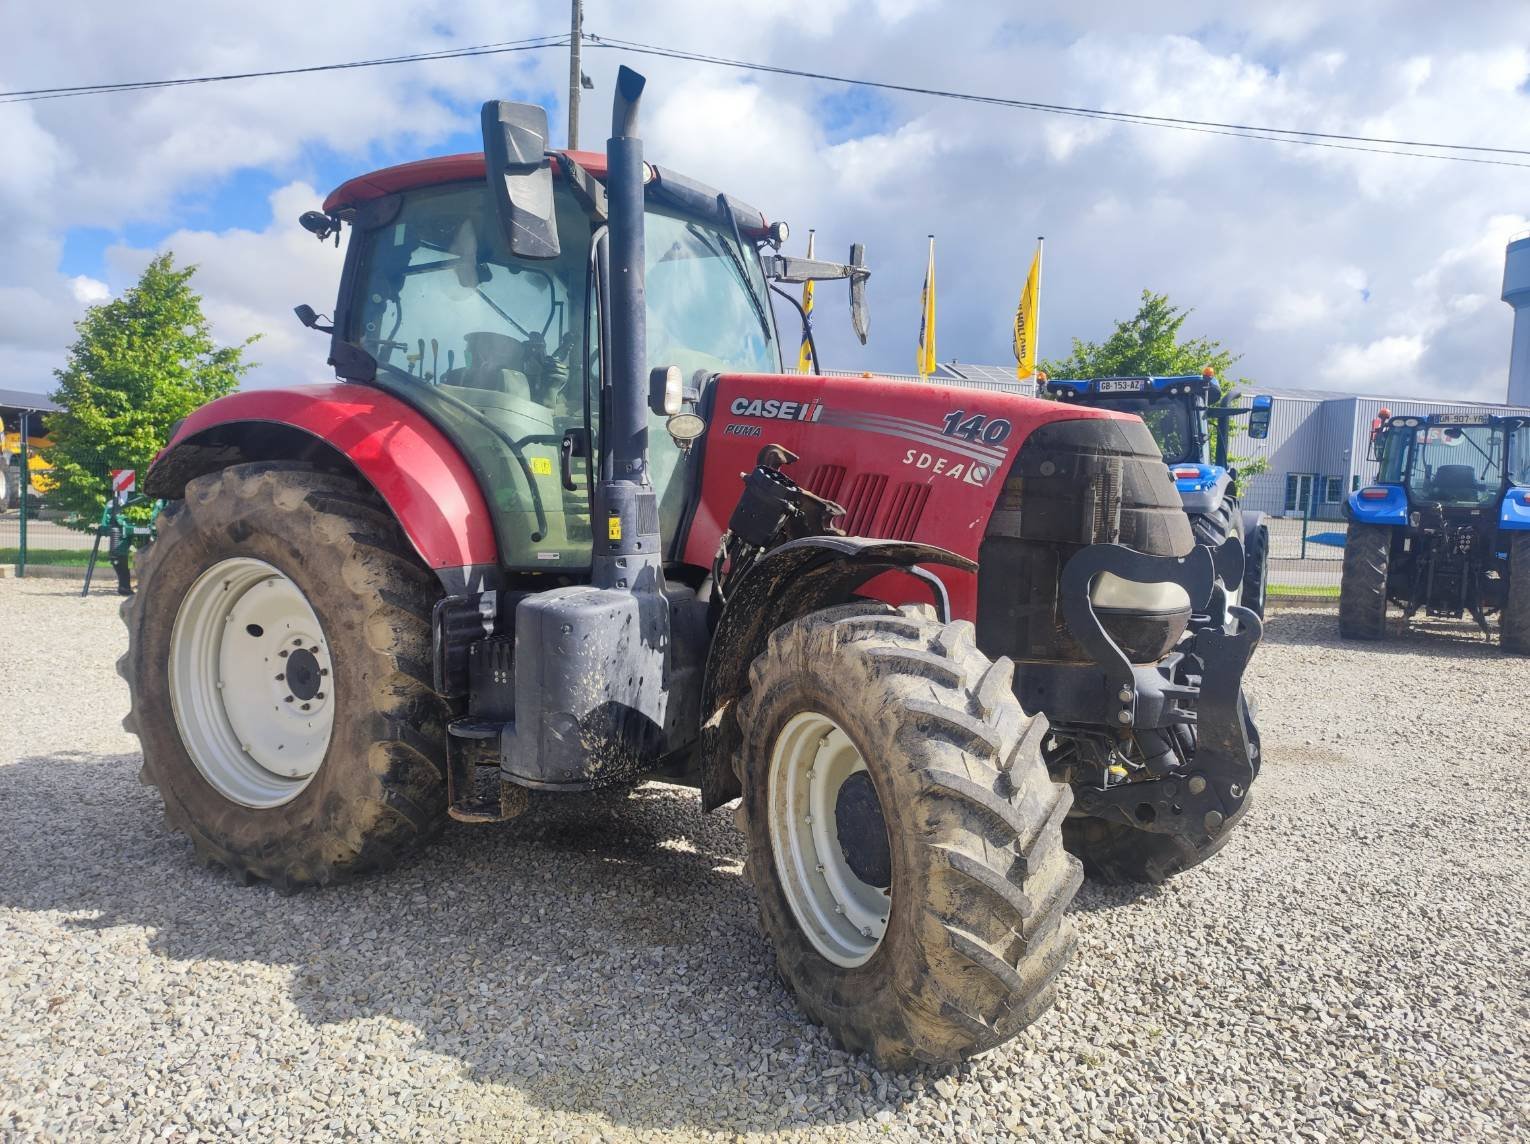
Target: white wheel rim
251,683
844,917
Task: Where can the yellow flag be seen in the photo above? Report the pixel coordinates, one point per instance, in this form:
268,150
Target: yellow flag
1026,315
927,318
805,352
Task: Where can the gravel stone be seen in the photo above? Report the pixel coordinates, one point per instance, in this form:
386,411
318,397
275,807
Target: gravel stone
1352,966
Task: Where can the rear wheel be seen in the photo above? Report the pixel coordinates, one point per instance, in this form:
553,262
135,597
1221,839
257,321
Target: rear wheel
1515,621
903,834
278,653
1256,568
1363,590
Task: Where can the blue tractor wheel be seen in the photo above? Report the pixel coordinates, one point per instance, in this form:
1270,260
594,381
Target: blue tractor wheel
1363,591
1515,620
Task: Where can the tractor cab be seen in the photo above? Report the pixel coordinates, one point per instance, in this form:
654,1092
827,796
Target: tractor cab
1178,411
487,316
1453,466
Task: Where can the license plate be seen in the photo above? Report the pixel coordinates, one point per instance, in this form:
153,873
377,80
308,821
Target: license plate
1119,385
1464,419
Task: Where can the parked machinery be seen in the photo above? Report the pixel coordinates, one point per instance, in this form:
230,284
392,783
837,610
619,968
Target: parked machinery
564,522
1445,529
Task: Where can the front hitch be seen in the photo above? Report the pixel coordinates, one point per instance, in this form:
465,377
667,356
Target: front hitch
1173,744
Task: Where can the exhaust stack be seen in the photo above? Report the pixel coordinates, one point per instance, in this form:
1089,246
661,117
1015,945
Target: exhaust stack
627,513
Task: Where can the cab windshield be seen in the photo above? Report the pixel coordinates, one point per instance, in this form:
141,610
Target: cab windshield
1450,464
505,351
1168,420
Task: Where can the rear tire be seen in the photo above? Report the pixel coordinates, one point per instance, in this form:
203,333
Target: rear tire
1363,590
979,881
1514,624
377,789
1256,571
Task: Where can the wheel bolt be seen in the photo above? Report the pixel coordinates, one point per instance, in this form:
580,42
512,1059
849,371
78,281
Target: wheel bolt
838,909
282,653
323,671
297,643
1124,717
279,678
287,700
865,931
806,818
320,695
305,706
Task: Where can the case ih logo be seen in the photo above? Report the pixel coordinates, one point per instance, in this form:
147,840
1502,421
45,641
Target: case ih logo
774,410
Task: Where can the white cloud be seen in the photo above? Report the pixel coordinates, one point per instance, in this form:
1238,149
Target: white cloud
88,291
1382,363
1273,246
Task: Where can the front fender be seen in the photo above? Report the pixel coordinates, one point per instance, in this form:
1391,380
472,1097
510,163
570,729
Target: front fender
1515,515
412,466
799,577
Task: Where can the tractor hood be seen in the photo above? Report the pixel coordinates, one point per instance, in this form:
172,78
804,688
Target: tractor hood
906,460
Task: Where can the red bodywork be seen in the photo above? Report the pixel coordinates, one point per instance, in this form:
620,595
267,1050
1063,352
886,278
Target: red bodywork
413,467
880,448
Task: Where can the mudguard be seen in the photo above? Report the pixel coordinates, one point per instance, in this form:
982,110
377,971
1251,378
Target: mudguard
1515,514
791,580
1390,510
410,463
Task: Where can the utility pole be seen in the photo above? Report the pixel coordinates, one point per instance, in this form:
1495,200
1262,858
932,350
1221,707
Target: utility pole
576,34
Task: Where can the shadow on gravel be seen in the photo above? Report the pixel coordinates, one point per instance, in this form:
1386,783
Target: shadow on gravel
598,955
1450,638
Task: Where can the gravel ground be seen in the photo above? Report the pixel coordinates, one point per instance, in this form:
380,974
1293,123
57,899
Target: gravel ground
1354,966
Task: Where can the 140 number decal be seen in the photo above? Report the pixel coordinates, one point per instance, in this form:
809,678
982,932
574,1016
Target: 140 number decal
976,427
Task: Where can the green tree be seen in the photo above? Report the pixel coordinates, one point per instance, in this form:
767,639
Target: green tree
1148,344
141,362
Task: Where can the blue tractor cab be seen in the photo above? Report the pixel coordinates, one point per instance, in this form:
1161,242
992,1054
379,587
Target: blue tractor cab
1445,528
1179,411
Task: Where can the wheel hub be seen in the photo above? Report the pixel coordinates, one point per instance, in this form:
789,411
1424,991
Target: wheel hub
829,839
863,831
250,683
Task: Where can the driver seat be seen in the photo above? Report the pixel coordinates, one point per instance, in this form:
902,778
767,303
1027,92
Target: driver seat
1456,483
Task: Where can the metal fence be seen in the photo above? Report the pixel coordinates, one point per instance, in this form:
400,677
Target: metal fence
1306,556
39,539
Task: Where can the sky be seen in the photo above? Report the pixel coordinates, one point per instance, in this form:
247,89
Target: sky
1323,268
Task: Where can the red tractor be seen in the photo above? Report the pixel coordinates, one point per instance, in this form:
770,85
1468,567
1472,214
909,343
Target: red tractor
563,523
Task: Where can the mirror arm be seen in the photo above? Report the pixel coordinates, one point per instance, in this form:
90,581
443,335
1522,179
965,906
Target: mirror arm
807,326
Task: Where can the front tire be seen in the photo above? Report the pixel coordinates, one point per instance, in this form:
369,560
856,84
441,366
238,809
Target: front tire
1363,590
269,587
942,799
1256,571
1514,623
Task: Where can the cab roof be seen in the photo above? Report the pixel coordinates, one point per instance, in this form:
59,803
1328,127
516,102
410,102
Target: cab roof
663,184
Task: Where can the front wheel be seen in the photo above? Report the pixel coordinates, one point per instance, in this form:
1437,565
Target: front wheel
904,837
1363,590
1515,621
278,651
1256,571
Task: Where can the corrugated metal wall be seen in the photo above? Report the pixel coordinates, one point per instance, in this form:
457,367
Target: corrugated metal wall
1292,447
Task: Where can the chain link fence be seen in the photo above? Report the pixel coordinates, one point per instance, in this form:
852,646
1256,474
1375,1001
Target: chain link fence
1306,548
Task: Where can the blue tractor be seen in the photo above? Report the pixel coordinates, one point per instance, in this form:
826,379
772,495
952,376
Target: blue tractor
1179,412
1445,529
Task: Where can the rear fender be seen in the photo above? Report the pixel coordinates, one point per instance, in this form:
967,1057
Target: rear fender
416,471
1515,514
799,577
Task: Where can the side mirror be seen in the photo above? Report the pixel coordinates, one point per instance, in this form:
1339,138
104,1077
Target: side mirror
310,318
1259,418
520,176
860,316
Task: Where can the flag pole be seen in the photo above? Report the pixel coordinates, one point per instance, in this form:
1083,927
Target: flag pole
1036,373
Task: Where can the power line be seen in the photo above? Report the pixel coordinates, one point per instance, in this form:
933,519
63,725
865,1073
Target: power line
1330,140
532,43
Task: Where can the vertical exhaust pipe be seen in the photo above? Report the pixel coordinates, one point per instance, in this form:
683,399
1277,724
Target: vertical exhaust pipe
627,516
